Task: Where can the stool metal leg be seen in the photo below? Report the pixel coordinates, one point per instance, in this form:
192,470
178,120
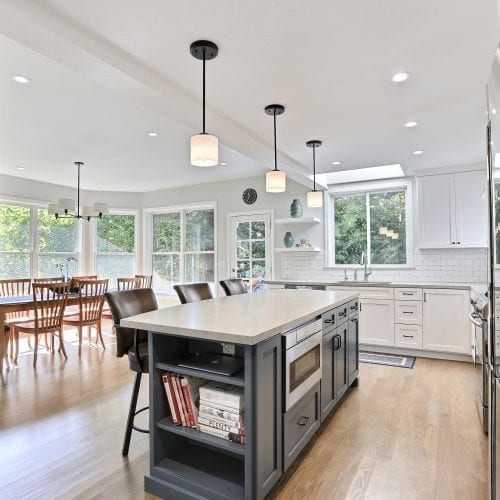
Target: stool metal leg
131,414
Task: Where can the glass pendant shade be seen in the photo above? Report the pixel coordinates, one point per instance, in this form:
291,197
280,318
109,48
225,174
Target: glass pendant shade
315,199
275,181
204,150
66,204
100,208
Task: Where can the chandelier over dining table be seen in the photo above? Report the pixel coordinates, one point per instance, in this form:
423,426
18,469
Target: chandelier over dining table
66,208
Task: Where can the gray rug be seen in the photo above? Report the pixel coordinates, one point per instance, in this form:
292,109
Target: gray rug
387,359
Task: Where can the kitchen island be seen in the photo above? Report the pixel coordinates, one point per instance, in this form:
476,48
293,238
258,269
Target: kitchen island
186,463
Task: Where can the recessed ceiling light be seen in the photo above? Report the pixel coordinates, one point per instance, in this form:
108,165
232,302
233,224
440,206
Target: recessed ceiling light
417,152
152,134
401,77
223,163
20,168
21,79
494,111
411,124
335,163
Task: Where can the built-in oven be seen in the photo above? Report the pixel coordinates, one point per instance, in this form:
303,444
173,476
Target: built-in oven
478,316
302,360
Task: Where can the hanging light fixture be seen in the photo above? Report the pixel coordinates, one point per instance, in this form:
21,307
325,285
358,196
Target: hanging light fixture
314,197
204,147
66,208
275,179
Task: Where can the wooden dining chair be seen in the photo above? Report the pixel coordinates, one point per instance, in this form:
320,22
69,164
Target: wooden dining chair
145,280
82,278
128,283
90,304
56,279
235,286
194,292
49,303
12,288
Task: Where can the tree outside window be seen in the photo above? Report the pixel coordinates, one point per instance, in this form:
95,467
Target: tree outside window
374,223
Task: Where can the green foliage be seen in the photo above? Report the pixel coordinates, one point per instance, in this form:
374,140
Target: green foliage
167,232
116,233
350,228
55,235
387,210
14,228
199,231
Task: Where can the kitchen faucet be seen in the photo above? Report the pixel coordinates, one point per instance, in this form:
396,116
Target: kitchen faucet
364,262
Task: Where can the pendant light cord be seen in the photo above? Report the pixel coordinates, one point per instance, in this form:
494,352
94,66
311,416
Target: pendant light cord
204,92
275,149
78,192
314,168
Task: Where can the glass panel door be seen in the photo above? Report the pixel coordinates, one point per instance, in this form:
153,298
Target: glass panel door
250,257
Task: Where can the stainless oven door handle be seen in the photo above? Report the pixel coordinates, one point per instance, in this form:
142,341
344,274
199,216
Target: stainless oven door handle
474,320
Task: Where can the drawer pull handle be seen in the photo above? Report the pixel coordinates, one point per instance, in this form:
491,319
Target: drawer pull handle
343,313
408,336
303,420
409,294
328,320
407,312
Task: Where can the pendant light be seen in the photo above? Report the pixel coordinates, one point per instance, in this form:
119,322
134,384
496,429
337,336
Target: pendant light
66,208
314,197
204,147
275,179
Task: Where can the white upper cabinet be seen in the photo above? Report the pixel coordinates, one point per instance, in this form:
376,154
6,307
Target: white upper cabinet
452,210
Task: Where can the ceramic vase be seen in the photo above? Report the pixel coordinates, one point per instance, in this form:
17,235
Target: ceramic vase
288,240
296,209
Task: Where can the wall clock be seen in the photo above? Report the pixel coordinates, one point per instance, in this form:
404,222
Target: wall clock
250,196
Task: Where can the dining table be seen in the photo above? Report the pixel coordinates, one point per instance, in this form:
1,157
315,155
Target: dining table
19,303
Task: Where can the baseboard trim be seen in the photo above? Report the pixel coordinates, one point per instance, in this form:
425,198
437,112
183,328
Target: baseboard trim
467,358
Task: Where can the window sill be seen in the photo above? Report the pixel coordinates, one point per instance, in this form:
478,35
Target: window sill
375,267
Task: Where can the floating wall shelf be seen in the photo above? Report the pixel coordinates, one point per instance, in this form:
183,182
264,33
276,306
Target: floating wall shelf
298,249
298,220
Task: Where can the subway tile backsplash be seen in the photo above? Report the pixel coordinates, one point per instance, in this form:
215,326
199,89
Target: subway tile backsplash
464,265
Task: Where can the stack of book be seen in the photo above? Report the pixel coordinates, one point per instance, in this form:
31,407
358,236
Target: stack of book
221,411
183,394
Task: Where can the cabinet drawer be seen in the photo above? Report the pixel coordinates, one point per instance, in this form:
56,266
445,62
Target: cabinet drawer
299,425
408,294
497,297
342,313
365,292
353,308
409,336
408,312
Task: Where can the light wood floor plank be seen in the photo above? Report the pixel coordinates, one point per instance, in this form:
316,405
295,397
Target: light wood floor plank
403,434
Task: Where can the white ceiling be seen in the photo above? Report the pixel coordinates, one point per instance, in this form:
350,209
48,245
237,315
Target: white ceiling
105,73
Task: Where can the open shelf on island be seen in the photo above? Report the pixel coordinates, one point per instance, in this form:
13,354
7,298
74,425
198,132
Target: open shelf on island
210,474
236,379
298,249
298,220
187,432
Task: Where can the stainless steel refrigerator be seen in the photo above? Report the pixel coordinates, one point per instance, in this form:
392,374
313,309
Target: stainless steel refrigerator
493,165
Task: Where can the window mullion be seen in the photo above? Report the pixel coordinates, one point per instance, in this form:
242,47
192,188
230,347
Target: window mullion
182,254
368,232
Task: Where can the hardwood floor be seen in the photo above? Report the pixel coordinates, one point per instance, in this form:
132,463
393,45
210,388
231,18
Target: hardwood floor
403,434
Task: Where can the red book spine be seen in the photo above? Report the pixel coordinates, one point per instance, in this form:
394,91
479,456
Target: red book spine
187,397
175,410
178,399
183,403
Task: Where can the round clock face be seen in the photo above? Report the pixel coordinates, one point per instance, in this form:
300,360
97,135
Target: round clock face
249,196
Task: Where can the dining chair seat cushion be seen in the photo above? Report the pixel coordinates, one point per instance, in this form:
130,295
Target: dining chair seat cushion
144,355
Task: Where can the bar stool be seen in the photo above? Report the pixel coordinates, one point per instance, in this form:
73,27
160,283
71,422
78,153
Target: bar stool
234,286
194,292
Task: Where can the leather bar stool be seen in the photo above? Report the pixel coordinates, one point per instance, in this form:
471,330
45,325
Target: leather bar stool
133,343
194,292
235,286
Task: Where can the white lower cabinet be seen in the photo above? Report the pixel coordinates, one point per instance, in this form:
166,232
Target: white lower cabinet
408,336
376,322
445,320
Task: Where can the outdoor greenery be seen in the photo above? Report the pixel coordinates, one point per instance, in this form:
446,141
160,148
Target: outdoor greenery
116,233
55,235
387,211
251,250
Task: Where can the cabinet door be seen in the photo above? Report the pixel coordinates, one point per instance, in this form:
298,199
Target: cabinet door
471,208
436,220
376,322
340,361
327,387
445,321
352,349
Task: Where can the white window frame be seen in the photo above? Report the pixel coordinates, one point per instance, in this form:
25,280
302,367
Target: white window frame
362,188
33,251
113,211
148,240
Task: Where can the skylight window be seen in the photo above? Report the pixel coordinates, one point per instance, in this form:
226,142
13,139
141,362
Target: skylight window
361,174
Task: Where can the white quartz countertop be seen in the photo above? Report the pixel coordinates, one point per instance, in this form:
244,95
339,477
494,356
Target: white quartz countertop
382,284
240,319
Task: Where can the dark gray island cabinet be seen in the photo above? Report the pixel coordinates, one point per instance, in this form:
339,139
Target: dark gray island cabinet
186,463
